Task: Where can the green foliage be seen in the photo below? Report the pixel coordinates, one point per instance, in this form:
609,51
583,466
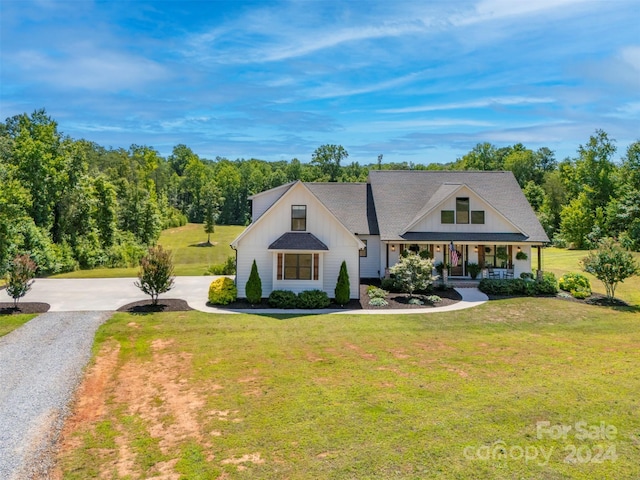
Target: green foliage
226,268
20,277
253,289
474,269
611,265
378,302
156,270
521,255
433,299
282,299
328,158
576,221
415,301
391,284
375,292
576,284
518,286
413,273
311,299
343,288
222,291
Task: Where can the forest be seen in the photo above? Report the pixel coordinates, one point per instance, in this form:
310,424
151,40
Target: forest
73,204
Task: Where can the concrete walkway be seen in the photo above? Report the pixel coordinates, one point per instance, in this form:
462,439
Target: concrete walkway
108,294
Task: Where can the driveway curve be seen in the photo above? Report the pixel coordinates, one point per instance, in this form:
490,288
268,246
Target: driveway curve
40,366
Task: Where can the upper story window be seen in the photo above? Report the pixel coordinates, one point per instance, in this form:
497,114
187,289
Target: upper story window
447,216
363,252
298,218
477,217
462,210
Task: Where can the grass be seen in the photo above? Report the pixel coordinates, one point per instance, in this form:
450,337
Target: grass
560,261
195,395
8,323
190,254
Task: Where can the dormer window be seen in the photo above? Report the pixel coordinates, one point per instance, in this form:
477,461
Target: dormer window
298,218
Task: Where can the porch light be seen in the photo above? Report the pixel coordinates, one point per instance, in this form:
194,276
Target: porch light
438,248
393,248
519,249
475,249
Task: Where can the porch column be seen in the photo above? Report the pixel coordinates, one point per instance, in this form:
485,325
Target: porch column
539,257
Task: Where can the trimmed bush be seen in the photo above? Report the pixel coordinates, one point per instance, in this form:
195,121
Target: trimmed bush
343,289
283,299
526,276
391,285
253,289
548,285
576,284
433,299
518,286
222,291
226,268
313,299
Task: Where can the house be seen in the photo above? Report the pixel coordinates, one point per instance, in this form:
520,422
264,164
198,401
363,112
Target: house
300,233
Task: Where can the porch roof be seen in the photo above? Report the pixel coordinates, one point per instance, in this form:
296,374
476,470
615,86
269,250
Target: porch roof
298,241
464,237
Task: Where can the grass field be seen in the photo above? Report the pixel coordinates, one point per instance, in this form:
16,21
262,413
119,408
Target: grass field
9,323
190,255
194,395
561,261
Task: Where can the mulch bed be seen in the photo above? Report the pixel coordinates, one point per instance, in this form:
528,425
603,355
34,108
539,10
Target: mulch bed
163,305
7,308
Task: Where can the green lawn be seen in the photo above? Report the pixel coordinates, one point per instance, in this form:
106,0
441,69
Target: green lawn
194,395
9,323
190,255
561,261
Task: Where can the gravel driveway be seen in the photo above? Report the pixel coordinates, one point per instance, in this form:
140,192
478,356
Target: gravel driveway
40,366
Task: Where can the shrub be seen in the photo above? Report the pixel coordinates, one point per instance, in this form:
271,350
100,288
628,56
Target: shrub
473,269
155,275
391,285
515,286
375,292
313,299
343,289
575,283
282,299
222,291
378,302
20,277
226,268
415,301
253,289
548,285
433,299
526,276
413,273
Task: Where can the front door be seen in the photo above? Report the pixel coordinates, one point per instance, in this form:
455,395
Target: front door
456,259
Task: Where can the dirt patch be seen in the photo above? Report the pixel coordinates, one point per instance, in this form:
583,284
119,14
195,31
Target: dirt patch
7,308
361,352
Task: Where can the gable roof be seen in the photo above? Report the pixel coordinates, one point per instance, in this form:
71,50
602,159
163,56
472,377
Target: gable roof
298,241
401,196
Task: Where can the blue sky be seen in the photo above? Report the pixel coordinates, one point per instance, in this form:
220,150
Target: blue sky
415,81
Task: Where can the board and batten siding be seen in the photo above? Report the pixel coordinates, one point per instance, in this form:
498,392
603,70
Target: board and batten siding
277,221
493,221
370,265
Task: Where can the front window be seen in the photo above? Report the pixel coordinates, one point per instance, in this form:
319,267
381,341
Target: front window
298,218
462,210
297,266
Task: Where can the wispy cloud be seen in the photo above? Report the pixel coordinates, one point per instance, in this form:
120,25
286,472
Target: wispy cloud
473,104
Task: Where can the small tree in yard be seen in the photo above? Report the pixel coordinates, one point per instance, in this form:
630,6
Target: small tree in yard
155,275
343,288
20,277
209,223
610,264
413,273
253,289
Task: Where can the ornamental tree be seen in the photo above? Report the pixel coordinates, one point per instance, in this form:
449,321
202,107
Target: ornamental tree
253,288
413,273
343,289
611,265
20,277
156,273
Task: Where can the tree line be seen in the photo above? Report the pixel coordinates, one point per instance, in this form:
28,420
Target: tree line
75,204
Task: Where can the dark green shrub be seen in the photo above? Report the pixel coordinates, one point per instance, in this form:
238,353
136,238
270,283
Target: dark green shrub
343,289
515,286
253,289
283,299
313,299
222,291
391,285
426,254
575,283
521,255
526,275
548,285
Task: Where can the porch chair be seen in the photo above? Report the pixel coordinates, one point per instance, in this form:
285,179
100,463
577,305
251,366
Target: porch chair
508,273
493,273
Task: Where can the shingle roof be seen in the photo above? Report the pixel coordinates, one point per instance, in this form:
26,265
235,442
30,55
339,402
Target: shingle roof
351,203
463,237
401,195
298,241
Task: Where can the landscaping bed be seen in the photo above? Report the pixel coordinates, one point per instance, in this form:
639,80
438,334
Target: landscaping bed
163,305
8,308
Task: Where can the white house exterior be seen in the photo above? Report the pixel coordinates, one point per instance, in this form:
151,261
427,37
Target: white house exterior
302,232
